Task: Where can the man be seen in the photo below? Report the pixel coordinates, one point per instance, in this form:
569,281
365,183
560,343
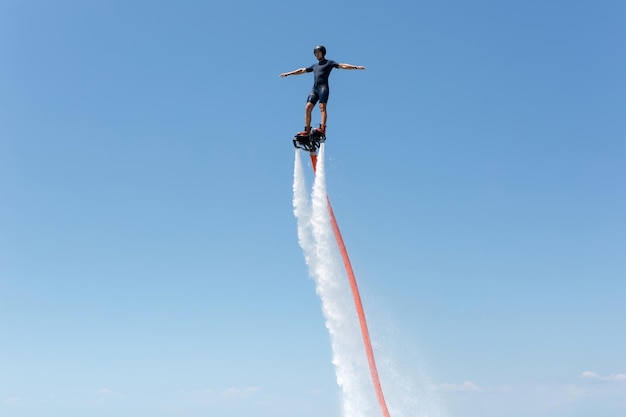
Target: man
321,72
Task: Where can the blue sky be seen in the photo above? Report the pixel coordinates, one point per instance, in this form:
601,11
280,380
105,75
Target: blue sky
149,262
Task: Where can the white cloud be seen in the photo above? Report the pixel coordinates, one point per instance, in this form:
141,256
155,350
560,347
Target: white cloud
590,390
239,392
106,391
595,375
466,386
214,399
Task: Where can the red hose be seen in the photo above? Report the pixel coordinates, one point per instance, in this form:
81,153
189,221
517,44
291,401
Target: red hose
357,301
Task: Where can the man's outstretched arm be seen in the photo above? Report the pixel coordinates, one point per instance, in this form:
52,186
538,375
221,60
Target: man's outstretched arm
294,72
351,67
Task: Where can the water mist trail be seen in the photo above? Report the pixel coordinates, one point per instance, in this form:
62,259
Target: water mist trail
317,240
408,390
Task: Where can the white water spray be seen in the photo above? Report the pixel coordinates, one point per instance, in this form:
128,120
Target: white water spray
317,240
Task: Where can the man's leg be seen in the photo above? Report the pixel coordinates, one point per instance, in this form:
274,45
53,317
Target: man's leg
307,119
307,115
323,114
323,95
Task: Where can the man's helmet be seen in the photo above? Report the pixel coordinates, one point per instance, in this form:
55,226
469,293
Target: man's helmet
320,48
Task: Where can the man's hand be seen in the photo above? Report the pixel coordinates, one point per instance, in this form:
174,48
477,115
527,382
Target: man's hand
294,72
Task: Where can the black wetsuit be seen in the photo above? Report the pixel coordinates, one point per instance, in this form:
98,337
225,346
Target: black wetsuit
321,72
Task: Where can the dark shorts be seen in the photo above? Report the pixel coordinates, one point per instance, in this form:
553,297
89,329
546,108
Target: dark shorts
320,93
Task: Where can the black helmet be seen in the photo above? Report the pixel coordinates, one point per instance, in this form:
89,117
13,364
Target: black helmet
320,48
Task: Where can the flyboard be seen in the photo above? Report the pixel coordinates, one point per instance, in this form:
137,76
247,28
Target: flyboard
309,142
